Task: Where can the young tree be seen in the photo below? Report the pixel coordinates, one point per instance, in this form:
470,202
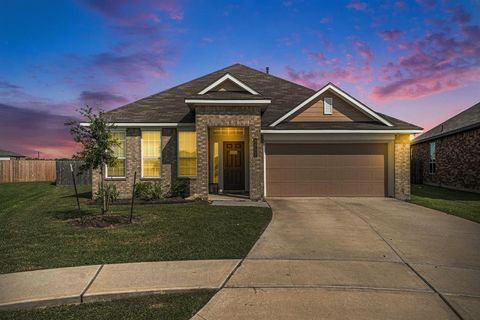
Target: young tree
97,144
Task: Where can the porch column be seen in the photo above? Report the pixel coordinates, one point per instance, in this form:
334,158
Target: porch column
202,156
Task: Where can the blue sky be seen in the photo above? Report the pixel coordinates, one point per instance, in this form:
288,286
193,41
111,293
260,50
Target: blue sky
416,60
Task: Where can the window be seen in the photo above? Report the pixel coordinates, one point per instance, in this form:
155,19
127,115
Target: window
327,105
118,169
187,153
432,163
151,154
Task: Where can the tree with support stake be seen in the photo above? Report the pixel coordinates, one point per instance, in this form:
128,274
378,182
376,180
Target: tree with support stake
133,195
98,145
75,186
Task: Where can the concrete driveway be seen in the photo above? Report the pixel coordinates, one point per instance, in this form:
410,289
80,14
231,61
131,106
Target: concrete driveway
355,258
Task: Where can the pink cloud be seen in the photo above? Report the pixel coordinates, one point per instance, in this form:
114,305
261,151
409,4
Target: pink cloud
357,5
390,34
31,131
131,12
460,15
414,87
434,63
364,50
429,4
326,20
101,98
316,79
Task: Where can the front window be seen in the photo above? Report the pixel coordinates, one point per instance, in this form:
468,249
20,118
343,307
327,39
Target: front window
118,169
432,163
187,153
151,154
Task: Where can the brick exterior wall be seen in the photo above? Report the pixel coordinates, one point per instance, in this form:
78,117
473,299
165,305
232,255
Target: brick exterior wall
133,163
227,116
250,117
402,166
457,160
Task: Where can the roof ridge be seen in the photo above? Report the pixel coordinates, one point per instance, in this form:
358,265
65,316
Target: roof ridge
276,77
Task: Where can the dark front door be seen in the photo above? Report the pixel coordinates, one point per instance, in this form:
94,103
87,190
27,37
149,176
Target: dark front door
233,166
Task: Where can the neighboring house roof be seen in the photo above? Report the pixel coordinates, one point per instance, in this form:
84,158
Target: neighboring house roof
466,120
169,106
5,153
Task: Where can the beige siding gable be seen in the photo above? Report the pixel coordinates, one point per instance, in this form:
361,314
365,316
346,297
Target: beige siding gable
342,111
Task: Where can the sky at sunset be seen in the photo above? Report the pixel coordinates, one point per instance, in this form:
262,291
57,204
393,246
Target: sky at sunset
415,60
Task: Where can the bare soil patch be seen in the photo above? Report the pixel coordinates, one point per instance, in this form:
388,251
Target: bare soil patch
104,221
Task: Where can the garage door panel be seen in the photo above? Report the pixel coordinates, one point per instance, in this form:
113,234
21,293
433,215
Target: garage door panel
326,170
372,174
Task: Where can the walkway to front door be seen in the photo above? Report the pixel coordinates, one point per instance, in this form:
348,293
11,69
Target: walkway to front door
355,258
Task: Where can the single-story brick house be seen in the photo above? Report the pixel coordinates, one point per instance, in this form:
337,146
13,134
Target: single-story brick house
10,155
240,130
449,154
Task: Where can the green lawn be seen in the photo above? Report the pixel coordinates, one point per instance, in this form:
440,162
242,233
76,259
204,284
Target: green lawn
37,231
459,203
168,306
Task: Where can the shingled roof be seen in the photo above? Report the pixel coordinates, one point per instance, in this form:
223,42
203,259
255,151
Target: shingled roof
466,120
169,106
6,153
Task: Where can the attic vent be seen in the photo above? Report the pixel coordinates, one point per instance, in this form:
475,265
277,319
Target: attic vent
327,105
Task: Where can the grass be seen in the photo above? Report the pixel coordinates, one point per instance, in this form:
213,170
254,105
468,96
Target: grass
168,306
37,230
459,203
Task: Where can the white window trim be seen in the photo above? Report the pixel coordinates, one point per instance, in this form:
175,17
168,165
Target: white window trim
231,78
150,158
178,154
341,93
120,158
330,111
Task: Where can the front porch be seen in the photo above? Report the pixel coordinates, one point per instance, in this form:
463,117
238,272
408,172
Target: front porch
230,155
228,160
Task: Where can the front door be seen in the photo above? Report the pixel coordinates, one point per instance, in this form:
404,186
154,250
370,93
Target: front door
233,166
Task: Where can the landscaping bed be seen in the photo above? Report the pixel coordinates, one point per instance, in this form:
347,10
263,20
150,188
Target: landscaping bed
38,230
459,203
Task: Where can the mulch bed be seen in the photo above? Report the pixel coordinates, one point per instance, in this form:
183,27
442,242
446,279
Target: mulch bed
104,221
140,201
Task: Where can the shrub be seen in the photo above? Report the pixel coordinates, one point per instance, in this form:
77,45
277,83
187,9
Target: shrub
179,189
109,191
148,191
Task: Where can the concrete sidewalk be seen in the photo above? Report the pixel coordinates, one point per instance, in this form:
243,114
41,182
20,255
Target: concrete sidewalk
100,282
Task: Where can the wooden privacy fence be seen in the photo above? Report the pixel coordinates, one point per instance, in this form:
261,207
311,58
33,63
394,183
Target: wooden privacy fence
27,170
64,175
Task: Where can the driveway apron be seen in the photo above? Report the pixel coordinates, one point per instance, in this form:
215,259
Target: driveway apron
361,258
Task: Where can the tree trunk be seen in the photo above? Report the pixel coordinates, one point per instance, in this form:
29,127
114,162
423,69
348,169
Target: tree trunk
102,186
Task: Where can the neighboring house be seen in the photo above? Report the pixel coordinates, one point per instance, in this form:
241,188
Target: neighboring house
9,155
239,130
449,154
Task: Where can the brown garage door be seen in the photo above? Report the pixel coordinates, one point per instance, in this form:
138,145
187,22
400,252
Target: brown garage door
316,170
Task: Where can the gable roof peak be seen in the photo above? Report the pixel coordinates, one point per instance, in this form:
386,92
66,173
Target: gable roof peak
228,77
356,103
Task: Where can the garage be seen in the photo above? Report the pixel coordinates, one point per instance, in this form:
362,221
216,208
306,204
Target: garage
327,169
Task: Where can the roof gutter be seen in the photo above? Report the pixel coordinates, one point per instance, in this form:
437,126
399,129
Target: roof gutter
446,134
145,124
342,131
